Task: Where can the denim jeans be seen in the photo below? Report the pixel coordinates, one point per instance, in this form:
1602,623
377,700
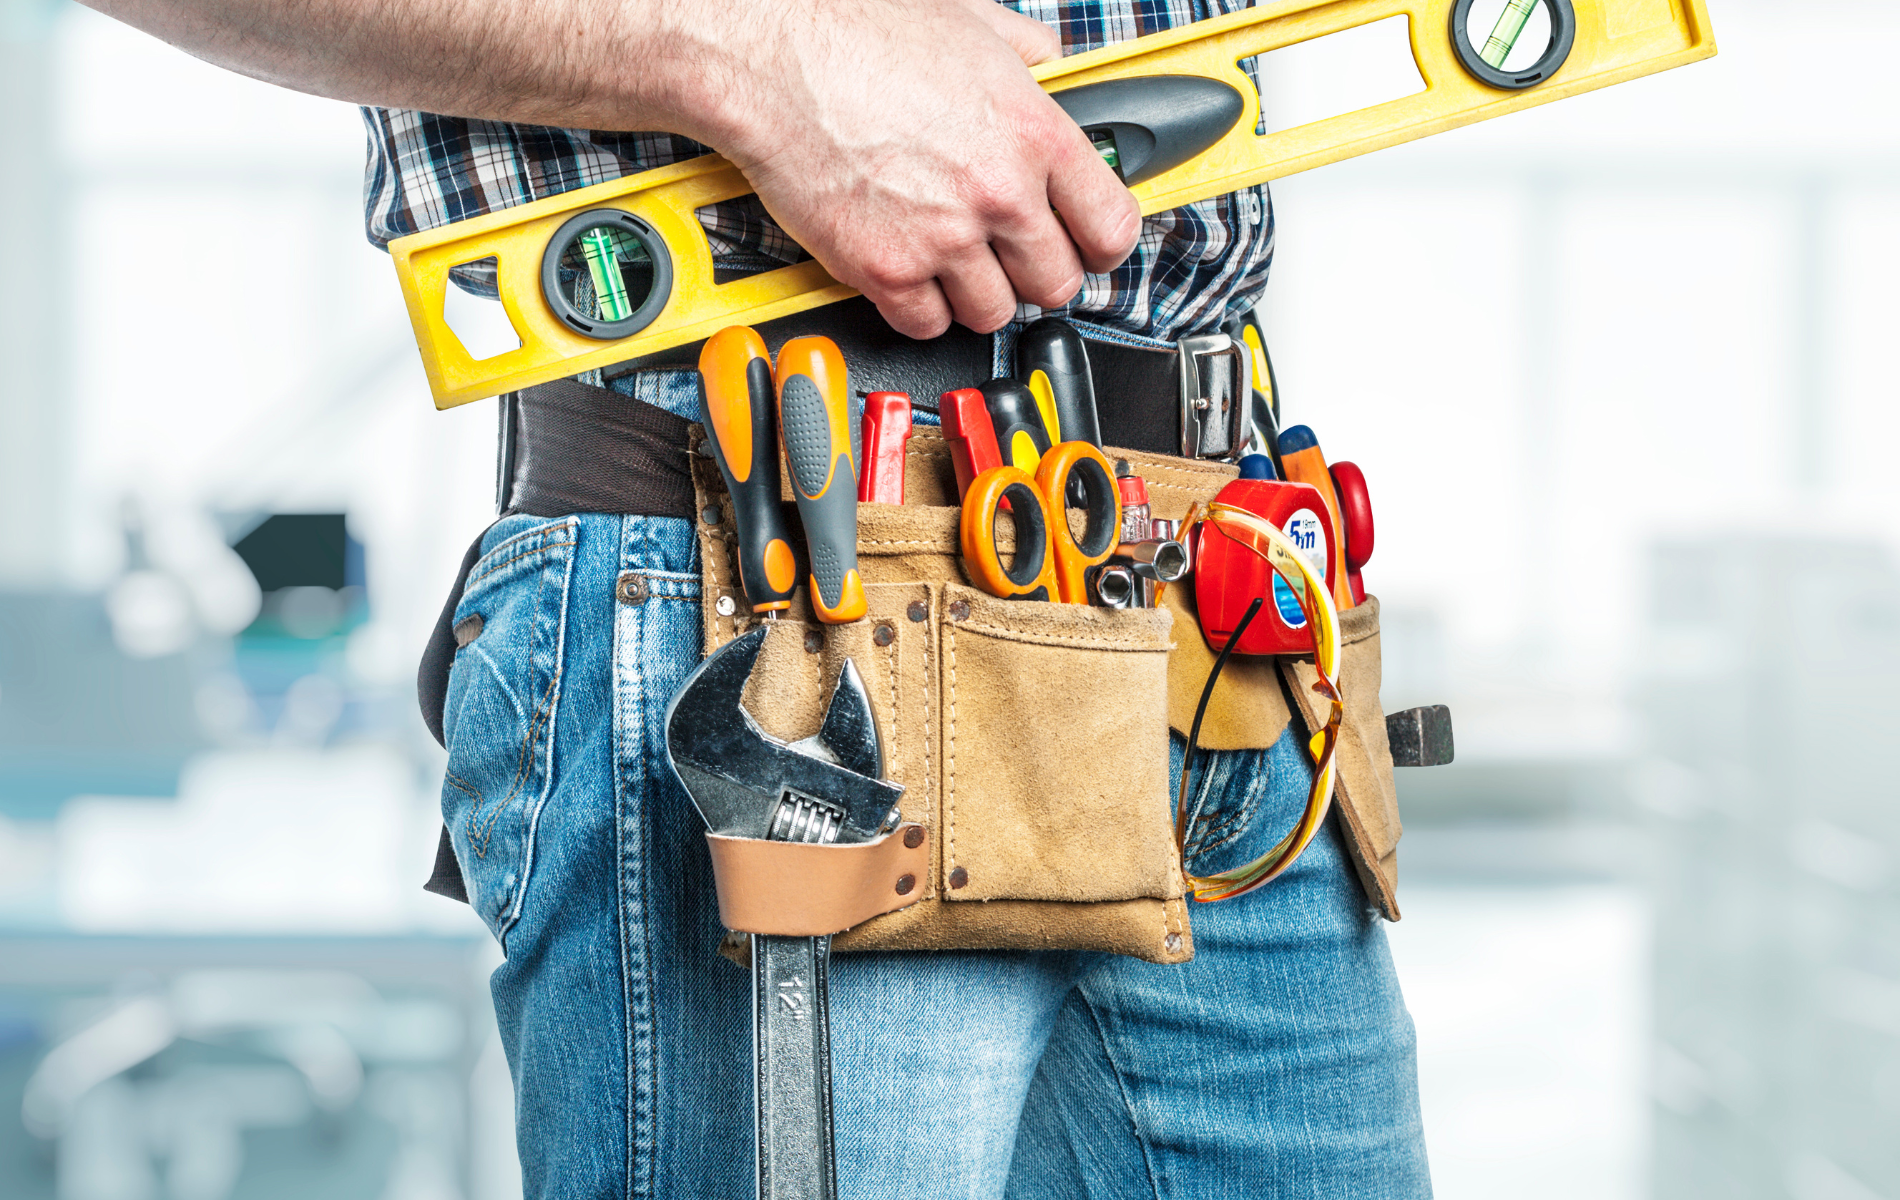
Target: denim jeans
1279,1063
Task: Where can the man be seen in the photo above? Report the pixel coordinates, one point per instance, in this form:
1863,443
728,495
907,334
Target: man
906,146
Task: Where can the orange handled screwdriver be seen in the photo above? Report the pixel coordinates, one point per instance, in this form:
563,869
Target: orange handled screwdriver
814,416
1303,463
735,402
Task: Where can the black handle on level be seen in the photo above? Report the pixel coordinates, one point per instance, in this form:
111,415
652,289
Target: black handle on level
735,403
1020,433
814,413
1153,122
1053,350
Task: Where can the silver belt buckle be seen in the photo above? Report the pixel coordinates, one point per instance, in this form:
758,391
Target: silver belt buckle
1203,413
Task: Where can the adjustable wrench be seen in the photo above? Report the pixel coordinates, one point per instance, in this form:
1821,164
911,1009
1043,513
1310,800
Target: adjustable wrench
829,787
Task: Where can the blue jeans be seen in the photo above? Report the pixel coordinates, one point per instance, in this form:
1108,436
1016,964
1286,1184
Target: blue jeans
1279,1063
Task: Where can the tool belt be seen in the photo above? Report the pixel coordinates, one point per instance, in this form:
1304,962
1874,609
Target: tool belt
1046,822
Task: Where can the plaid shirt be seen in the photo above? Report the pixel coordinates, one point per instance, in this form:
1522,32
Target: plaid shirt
1193,267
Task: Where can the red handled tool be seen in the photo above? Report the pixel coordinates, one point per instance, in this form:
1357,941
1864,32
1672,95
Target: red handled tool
735,401
1355,514
814,416
1302,462
972,439
886,429
1050,562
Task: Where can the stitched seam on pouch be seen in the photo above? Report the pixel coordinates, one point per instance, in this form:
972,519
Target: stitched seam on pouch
890,659
950,751
517,558
1053,639
929,780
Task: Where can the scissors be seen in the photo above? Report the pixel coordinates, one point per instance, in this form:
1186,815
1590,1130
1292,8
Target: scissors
1050,560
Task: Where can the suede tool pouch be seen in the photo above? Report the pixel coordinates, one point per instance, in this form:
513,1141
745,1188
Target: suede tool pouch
1045,807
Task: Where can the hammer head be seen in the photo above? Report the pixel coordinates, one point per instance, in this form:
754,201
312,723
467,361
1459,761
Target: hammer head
744,781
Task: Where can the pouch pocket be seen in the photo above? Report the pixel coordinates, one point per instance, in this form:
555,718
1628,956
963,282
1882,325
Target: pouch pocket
503,696
1055,762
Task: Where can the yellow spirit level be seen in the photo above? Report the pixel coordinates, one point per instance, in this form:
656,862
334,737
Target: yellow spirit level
1593,43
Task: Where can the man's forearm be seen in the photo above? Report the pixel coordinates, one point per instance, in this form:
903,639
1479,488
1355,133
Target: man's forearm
595,64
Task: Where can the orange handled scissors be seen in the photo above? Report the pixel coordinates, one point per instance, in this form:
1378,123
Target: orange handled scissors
1050,561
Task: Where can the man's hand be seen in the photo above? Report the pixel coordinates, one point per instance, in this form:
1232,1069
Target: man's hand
908,148
902,142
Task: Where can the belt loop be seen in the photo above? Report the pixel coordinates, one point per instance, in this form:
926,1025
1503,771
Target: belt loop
1205,411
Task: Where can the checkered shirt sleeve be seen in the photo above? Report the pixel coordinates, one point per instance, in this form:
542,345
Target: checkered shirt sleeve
1193,266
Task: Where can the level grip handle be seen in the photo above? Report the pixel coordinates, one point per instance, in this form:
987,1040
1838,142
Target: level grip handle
735,402
1152,122
814,416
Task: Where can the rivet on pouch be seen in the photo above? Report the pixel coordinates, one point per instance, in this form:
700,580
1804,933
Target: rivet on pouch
1172,942
917,611
814,641
913,837
905,883
959,877
725,606
632,588
959,610
710,514
884,634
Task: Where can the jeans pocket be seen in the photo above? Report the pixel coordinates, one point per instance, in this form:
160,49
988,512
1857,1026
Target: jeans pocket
1244,801
504,694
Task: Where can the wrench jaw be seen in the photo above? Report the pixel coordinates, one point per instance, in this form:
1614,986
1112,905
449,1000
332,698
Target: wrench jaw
739,777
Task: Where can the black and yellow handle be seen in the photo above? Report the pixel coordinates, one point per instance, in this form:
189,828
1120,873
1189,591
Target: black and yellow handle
814,417
1052,360
1020,432
735,402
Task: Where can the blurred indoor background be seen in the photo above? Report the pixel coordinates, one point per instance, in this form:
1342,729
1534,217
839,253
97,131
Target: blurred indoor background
1615,370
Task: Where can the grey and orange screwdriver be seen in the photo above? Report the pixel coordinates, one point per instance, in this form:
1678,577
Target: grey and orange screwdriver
814,416
735,402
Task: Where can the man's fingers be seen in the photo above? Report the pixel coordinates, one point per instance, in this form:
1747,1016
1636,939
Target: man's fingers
1041,263
916,311
979,292
1032,41
1101,215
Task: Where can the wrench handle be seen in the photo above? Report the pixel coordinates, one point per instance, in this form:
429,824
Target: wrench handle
791,1055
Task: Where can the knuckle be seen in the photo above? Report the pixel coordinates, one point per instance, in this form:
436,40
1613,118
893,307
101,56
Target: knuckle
889,271
1057,292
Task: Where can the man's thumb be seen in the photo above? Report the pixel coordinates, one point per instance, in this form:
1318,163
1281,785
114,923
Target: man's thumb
1032,41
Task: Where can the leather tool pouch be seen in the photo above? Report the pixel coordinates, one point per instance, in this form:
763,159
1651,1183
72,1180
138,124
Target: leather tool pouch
1031,738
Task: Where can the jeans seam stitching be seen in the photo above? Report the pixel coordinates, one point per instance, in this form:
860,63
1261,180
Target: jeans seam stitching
490,570
1121,1086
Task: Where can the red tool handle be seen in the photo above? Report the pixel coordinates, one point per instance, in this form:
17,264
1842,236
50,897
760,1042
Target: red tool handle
1355,515
966,426
886,429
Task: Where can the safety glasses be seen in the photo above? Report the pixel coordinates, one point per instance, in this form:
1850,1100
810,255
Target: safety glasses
1309,587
